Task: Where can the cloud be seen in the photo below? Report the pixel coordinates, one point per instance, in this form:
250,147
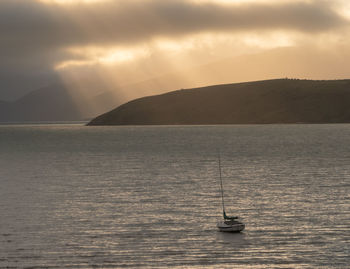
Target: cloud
42,25
35,35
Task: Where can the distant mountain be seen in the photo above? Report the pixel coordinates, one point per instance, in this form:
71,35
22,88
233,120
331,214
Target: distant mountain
4,106
51,103
55,103
270,101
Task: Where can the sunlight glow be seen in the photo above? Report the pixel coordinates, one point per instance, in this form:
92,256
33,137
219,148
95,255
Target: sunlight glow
233,2
70,2
344,8
72,63
179,50
269,41
119,56
101,55
235,41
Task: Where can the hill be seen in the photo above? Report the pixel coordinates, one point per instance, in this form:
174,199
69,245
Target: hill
270,101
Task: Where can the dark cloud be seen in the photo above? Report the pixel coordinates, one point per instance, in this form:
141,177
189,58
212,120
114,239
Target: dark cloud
34,35
40,25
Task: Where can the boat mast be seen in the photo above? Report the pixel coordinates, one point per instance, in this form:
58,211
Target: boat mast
222,189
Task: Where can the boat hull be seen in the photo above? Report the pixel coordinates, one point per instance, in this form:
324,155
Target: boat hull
234,228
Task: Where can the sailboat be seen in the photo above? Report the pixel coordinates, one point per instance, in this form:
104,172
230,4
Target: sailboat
229,224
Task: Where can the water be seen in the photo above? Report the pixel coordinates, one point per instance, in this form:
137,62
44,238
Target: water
113,197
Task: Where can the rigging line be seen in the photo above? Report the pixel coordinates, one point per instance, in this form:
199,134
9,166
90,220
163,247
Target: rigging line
222,189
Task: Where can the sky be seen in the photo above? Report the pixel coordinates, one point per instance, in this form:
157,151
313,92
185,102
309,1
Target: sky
141,47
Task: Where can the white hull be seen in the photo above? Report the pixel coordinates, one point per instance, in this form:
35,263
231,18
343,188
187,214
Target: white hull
230,228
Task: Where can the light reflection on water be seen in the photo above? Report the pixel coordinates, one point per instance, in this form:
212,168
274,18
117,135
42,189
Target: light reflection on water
74,196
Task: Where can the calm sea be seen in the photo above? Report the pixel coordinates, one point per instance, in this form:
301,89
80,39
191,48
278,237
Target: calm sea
148,197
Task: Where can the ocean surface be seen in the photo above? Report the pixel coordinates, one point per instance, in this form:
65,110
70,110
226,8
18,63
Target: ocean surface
149,197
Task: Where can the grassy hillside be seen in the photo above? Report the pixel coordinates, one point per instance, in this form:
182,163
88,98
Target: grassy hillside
271,101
